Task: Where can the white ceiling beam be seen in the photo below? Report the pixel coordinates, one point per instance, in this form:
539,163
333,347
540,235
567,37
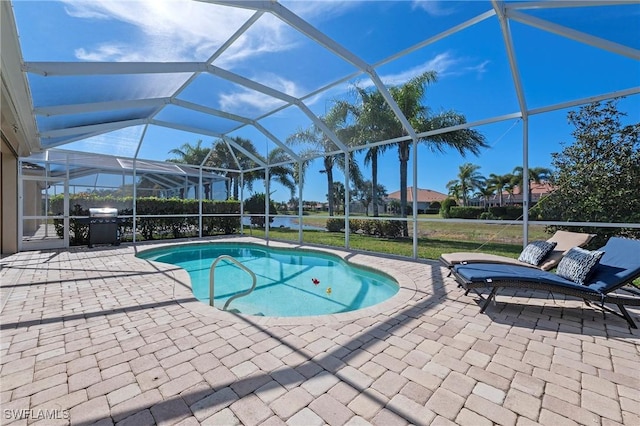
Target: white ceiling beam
99,128
70,140
253,85
234,117
210,111
611,95
110,68
213,57
322,39
99,106
198,130
511,116
275,140
438,37
392,103
323,126
572,34
319,37
498,6
261,88
184,128
226,142
235,36
565,4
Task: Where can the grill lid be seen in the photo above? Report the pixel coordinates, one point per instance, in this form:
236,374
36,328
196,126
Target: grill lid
103,212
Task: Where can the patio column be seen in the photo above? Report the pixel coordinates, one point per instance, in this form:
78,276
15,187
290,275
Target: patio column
300,211
347,168
525,180
200,203
415,199
267,198
242,204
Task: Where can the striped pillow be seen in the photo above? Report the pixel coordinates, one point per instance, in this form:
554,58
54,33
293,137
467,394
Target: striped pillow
578,264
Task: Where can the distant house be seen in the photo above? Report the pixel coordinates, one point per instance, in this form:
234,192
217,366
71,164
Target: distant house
538,191
425,197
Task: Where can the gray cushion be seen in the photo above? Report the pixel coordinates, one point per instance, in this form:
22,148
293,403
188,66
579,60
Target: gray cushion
578,264
535,251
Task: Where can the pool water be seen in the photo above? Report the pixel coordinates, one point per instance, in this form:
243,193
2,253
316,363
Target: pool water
289,282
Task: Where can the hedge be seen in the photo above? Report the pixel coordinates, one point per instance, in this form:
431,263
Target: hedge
379,228
496,212
465,212
149,228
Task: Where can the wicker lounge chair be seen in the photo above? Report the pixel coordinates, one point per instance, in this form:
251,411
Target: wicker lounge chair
565,240
619,266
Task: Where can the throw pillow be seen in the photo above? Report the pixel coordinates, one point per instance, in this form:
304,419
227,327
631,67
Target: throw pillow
534,252
578,264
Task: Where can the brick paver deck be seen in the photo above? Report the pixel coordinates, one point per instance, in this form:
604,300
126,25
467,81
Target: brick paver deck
100,336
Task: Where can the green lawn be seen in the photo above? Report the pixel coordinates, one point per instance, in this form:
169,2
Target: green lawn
428,248
469,231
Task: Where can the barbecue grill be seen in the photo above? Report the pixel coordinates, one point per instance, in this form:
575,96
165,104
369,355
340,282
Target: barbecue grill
104,226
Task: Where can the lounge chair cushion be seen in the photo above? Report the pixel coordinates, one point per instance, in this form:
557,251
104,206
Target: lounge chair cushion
578,264
619,264
535,251
566,240
501,273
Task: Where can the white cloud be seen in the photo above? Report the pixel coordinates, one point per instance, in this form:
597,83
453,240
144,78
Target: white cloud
434,8
320,10
246,98
441,63
174,30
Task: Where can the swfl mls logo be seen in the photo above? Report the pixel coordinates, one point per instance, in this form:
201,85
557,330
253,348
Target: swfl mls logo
41,414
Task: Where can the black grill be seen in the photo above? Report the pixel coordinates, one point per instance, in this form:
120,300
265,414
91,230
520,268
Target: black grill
104,226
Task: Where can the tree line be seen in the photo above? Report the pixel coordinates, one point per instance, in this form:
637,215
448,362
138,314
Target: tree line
470,183
369,118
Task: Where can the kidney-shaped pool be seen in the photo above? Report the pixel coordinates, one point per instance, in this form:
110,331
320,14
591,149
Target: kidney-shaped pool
290,282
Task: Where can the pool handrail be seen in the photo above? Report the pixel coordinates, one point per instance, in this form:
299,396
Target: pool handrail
212,279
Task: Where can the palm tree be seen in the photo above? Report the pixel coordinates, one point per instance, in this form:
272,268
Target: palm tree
190,154
337,195
455,190
409,99
222,157
536,175
364,193
374,122
193,155
468,179
318,143
500,183
284,173
485,192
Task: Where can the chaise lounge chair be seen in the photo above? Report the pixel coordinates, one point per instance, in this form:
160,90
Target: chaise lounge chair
618,266
565,240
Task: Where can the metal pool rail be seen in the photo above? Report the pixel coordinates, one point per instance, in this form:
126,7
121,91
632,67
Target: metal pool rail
212,279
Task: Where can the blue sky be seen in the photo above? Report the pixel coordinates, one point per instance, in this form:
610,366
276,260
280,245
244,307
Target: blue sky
474,74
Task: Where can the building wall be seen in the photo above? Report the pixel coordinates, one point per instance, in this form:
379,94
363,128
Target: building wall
9,197
17,127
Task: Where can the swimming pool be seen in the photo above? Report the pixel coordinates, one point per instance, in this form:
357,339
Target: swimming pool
290,282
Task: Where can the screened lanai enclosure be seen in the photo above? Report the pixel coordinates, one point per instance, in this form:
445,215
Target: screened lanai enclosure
177,113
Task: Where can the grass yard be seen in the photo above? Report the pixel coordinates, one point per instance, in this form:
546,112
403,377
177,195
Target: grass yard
428,247
460,231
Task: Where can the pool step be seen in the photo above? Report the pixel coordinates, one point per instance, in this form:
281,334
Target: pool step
237,311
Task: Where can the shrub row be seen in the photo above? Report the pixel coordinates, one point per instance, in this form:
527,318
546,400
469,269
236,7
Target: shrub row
150,228
503,213
379,228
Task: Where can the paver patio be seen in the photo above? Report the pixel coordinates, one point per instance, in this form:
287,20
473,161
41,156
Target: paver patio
100,336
